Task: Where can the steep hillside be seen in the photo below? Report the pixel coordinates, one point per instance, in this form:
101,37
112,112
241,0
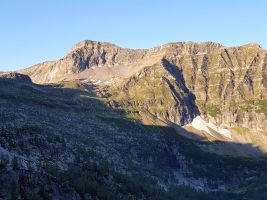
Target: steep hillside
159,91
62,143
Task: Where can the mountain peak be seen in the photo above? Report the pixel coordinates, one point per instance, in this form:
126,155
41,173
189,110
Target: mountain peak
92,44
252,45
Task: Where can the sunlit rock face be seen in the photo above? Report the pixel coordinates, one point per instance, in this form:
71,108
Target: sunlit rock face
175,82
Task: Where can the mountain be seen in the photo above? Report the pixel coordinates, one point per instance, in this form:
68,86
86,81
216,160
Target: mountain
180,121
174,83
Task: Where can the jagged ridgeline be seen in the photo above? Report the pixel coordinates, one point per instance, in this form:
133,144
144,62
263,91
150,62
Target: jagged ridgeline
180,121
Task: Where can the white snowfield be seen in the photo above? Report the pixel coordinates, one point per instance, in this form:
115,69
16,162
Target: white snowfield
201,125
97,82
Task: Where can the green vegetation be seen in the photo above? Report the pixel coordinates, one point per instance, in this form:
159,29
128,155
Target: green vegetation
247,106
239,130
122,123
4,161
259,106
108,153
73,84
29,128
108,185
213,110
256,188
201,106
14,191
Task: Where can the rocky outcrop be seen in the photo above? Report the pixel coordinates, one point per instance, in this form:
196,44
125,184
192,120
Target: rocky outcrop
13,76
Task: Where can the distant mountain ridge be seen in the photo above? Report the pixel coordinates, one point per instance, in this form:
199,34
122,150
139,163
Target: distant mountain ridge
89,53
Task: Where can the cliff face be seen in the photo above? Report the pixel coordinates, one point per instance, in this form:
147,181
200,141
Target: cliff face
12,76
159,91
173,82
229,84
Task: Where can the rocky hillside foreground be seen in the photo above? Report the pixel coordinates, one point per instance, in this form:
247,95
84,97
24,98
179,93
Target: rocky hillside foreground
61,143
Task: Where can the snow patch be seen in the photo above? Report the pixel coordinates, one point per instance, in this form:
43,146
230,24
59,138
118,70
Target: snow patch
200,124
107,82
97,82
225,132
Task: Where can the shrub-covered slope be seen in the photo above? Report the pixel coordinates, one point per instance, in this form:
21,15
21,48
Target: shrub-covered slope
60,143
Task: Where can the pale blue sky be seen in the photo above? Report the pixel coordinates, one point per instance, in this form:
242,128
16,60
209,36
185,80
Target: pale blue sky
33,31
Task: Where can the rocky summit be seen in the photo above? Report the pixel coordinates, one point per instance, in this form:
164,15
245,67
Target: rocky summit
180,121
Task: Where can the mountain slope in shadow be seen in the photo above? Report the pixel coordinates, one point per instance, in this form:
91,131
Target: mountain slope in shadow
80,147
